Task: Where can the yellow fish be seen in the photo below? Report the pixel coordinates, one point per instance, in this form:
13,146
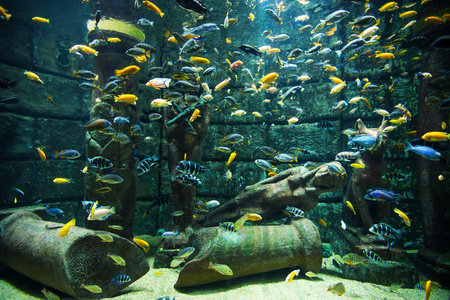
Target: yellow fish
61,180
105,237
130,70
65,229
126,98
228,41
240,222
390,6
40,20
141,243
254,217
159,273
33,77
195,115
312,275
200,60
357,166
350,206
115,227
222,269
405,218
114,40
42,154
92,288
271,77
337,289
231,158
4,14
408,14
172,39
222,84
322,222
153,7
251,16
118,260
292,275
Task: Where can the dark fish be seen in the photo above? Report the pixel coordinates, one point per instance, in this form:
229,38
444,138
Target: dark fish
145,46
145,165
120,279
100,162
166,298
294,53
54,212
188,179
88,86
233,138
238,183
6,83
382,195
194,5
209,71
9,100
396,176
291,92
314,49
327,125
98,16
135,52
249,49
273,15
363,21
85,74
442,42
191,167
351,46
185,86
227,226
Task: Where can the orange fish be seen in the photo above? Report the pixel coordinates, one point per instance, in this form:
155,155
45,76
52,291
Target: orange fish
3,14
153,7
130,70
42,154
322,222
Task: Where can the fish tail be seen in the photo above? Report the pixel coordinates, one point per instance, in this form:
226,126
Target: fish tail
113,210
409,147
56,154
339,53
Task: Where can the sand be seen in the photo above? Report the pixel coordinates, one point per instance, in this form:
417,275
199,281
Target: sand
266,286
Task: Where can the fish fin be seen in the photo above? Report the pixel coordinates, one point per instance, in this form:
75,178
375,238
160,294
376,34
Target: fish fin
56,154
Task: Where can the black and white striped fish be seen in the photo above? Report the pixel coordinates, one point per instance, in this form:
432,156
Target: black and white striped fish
374,258
120,279
100,162
384,230
145,165
294,211
187,179
191,167
396,176
347,156
227,226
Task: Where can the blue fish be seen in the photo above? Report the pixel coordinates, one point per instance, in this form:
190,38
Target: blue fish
382,195
54,212
366,141
120,279
121,120
424,151
170,233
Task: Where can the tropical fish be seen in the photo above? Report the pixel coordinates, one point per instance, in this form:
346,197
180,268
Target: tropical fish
118,260
374,258
384,230
42,154
390,6
54,212
141,243
69,154
40,20
130,70
84,48
100,162
271,77
222,84
233,138
122,278
61,180
102,213
187,179
33,77
273,15
337,289
253,217
396,176
146,165
347,156
65,229
115,227
204,29
435,136
191,167
357,166
109,178
49,295
227,226
335,17
92,288
292,275
405,218
382,195
240,222
322,222
153,7
294,211
144,22
3,14
350,206
353,259
97,124
160,103
265,165
221,268
424,151
231,158
249,49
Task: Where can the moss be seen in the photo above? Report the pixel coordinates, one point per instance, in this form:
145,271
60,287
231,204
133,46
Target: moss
110,24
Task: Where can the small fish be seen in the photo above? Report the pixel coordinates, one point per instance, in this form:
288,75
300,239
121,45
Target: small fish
103,190
54,212
109,178
61,180
265,165
49,295
97,124
337,289
221,268
357,166
405,218
33,77
240,222
383,229
68,154
231,158
19,191
65,229
374,258
350,206
312,275
397,176
292,275
144,22
92,288
177,213
42,154
170,234
130,70
227,226
115,227
122,278
118,260
186,252
191,167
100,162
353,259
141,243
382,195
322,222
105,237
294,211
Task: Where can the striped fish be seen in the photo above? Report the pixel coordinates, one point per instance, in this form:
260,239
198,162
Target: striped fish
227,226
384,230
100,162
145,165
188,179
120,279
191,167
294,211
374,258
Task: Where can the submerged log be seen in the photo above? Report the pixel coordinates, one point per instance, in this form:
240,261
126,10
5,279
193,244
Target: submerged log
252,250
33,248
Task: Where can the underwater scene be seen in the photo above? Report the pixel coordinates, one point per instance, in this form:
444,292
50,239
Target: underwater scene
248,149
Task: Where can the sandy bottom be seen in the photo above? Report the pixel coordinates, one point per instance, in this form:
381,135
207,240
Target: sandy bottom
269,285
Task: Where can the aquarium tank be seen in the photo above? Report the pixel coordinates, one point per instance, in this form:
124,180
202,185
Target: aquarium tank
180,149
